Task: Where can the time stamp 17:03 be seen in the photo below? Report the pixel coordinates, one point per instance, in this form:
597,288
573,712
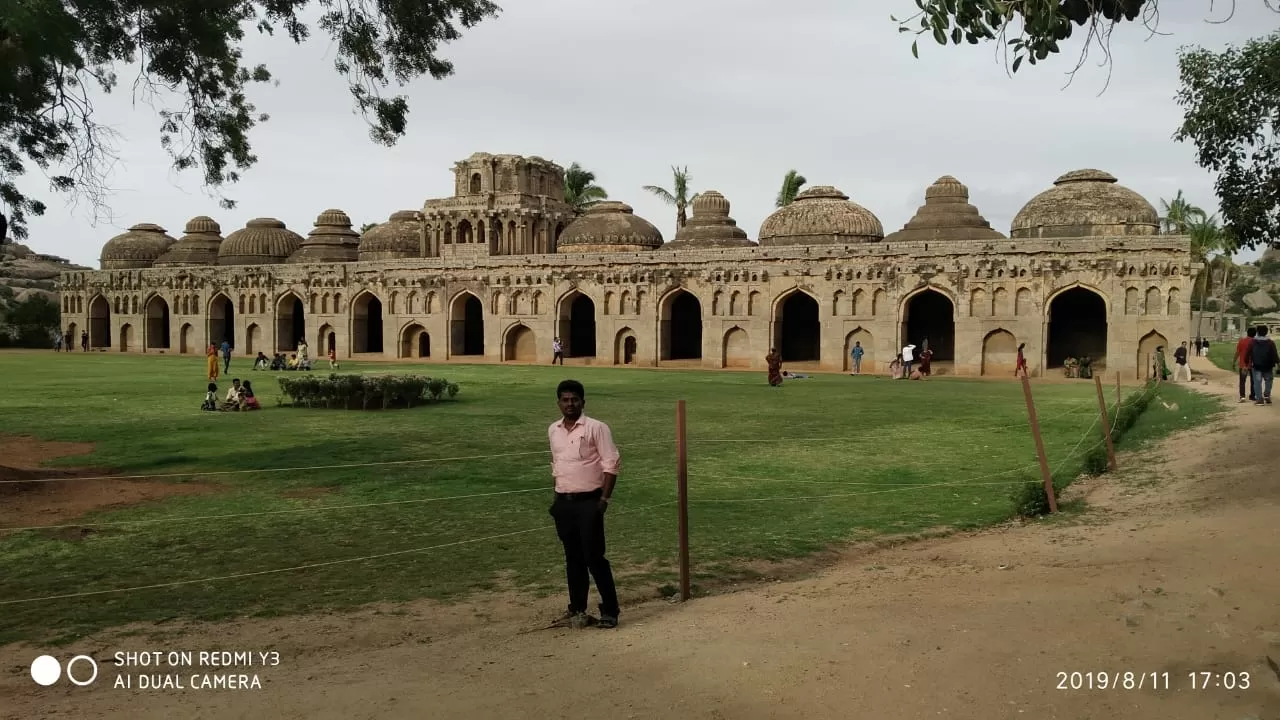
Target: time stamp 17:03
1129,680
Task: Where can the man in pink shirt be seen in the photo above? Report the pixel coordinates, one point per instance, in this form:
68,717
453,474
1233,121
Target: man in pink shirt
584,461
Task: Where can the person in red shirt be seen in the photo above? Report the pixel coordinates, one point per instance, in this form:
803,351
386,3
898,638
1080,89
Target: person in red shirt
1243,363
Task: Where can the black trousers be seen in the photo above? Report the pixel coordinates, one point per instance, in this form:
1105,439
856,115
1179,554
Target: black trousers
1252,390
557,357
580,525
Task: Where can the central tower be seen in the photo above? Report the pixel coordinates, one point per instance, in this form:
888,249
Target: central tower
501,205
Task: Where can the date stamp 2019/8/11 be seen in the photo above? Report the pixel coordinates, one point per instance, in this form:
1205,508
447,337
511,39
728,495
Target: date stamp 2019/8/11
1130,680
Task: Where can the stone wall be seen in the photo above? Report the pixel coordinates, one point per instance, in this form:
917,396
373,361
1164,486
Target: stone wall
1000,293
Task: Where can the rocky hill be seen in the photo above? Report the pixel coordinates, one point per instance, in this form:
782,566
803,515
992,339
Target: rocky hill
30,273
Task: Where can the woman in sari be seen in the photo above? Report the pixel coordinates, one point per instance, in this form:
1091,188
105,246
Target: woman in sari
1161,366
1020,369
774,361
926,358
895,367
211,359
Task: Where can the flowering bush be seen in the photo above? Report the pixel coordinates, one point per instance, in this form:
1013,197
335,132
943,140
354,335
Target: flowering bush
362,392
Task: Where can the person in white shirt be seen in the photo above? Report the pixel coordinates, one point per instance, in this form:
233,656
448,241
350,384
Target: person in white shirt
907,357
557,351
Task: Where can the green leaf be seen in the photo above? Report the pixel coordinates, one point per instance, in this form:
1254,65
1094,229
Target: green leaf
1017,63
915,49
956,35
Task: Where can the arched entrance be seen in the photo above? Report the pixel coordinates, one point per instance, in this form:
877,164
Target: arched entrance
521,345
99,323
624,347
252,339
222,321
1077,327
157,331
578,325
864,338
291,324
366,324
1147,354
415,342
931,316
466,325
999,353
681,327
797,328
736,349
126,331
185,338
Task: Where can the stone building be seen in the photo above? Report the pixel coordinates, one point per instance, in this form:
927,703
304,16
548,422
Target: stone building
495,272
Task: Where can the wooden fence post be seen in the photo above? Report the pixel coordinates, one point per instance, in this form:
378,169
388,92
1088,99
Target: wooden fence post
682,491
1106,424
1045,474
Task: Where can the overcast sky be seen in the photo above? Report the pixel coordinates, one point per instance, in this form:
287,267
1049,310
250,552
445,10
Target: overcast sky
740,91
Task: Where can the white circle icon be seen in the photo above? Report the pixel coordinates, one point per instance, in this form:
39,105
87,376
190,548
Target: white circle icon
45,670
92,664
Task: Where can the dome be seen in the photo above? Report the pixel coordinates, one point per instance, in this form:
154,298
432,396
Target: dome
198,246
138,247
710,225
821,215
609,227
946,215
1085,203
262,241
399,237
332,241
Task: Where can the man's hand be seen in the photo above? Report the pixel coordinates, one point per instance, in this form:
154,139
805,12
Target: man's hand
602,505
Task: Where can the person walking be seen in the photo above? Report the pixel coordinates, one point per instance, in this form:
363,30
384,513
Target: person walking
773,366
585,463
1265,359
1180,363
84,341
1242,363
856,354
226,356
1020,368
557,351
907,357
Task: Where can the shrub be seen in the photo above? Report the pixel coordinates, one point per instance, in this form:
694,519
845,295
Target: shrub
1029,498
362,392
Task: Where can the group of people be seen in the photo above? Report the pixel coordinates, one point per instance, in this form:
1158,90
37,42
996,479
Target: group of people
1202,347
66,341
1255,360
239,397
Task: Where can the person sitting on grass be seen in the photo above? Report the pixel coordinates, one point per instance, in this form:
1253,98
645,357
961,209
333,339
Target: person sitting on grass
211,398
278,362
794,376
261,362
293,361
247,399
232,401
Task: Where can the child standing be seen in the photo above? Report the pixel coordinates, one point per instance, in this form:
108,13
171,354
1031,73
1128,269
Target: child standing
333,360
210,398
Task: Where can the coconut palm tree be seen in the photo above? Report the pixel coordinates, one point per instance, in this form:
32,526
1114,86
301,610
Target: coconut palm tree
678,195
1207,237
791,184
1178,215
581,190
367,227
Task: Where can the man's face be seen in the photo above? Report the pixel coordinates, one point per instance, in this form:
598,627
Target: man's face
570,405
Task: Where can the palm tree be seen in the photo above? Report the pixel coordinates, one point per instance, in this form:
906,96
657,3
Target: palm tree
791,184
1207,236
366,227
581,190
1178,215
678,195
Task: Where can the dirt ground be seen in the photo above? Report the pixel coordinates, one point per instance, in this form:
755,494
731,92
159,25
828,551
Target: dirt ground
1171,570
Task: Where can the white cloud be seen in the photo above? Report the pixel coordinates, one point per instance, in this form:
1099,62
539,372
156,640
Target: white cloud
740,91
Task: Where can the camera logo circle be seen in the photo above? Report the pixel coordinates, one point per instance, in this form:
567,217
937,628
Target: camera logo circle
46,670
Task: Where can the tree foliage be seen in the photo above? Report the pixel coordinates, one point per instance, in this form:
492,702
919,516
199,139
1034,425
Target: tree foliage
580,188
1032,30
56,54
791,184
1231,101
29,323
679,194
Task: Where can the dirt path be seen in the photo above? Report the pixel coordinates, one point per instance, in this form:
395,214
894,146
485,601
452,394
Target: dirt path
1173,570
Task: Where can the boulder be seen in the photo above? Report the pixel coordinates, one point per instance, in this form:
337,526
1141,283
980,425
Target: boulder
1259,301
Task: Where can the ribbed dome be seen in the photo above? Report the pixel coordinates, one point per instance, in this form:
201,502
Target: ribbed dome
1085,203
398,237
197,247
609,227
138,247
262,241
332,241
946,215
821,215
710,225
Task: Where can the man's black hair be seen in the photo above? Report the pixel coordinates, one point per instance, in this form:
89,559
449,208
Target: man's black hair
1262,331
1252,332
571,386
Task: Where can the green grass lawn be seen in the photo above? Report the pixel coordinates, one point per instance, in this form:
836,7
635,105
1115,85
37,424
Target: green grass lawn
774,473
1223,354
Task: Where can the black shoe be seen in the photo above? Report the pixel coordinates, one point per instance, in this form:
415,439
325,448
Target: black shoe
608,622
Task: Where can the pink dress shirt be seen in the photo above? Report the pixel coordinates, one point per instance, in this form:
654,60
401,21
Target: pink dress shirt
581,456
